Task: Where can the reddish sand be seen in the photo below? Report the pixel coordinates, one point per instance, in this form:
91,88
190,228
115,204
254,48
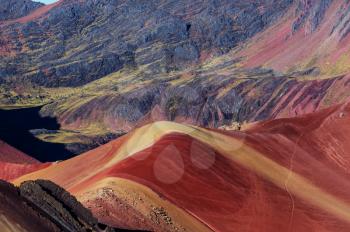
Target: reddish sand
11,171
280,175
14,163
227,197
12,155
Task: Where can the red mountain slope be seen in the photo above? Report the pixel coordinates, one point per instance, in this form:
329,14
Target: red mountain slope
12,155
14,163
312,34
280,175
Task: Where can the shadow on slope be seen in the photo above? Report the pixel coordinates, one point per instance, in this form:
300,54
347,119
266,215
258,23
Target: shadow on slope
15,126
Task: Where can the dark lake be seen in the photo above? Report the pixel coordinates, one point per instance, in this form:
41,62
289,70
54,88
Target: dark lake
15,126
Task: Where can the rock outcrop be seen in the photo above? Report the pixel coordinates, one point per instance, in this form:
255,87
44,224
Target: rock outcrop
43,206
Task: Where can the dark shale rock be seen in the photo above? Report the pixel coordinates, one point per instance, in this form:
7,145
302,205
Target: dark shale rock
43,206
77,42
312,12
12,9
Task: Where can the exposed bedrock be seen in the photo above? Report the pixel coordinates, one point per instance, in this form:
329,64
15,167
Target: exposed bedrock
43,206
201,101
79,41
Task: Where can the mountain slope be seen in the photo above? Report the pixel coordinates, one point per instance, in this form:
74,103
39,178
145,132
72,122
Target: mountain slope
11,171
12,9
314,36
43,206
76,42
11,154
208,63
14,163
212,96
285,174
207,91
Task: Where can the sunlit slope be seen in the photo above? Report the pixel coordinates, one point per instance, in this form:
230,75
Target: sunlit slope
312,35
284,175
10,171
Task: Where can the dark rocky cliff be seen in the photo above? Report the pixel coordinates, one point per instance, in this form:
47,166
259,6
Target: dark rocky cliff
79,41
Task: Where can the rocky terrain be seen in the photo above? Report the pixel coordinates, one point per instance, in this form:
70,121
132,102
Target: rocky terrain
55,53
43,206
174,61
314,37
12,9
210,97
76,42
105,67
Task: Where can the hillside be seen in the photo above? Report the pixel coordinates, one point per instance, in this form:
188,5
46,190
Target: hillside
14,163
315,37
225,62
278,175
71,42
11,154
13,9
175,115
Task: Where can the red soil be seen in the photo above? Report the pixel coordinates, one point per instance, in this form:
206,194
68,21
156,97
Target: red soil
228,197
315,146
12,155
11,171
281,49
223,193
307,97
14,163
209,194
